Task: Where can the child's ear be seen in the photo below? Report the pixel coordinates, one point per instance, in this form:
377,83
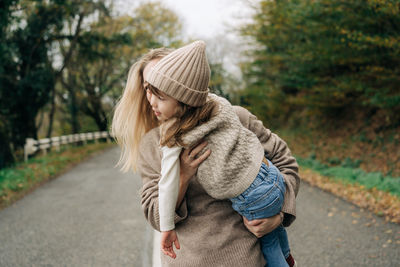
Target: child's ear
179,110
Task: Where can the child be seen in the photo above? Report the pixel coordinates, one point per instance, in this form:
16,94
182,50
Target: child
177,89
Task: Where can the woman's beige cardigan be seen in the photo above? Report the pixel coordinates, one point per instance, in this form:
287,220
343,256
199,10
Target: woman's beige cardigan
210,232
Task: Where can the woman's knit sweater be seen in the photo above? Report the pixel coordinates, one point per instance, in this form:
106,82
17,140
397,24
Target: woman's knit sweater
210,232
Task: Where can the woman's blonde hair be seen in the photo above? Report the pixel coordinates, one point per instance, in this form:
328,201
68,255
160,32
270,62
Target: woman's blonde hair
133,116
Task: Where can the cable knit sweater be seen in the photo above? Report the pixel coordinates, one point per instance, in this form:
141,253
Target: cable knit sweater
236,152
210,232
228,172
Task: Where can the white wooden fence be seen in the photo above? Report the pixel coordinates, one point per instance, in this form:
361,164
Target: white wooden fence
32,145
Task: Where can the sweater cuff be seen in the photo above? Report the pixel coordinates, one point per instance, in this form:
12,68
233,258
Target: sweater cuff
287,219
289,212
168,225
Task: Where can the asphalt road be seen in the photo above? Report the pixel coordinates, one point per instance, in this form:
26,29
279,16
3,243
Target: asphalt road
91,216
331,232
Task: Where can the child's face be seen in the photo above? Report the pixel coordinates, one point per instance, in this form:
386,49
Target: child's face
164,106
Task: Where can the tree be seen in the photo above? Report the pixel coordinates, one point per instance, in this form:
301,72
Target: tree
28,76
80,9
6,18
326,56
105,54
220,51
26,73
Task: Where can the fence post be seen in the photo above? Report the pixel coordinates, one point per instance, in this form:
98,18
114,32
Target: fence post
29,147
59,144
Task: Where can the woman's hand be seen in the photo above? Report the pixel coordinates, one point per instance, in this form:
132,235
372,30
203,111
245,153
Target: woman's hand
262,227
189,162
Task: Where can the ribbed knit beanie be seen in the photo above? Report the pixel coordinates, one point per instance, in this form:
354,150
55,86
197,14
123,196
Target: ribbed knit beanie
184,74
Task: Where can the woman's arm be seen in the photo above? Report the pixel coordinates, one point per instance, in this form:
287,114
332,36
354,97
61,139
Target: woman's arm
279,153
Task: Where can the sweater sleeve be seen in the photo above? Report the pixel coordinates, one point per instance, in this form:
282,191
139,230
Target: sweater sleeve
279,153
168,186
149,165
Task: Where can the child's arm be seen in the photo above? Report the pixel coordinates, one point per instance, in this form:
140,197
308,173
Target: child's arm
149,165
168,239
168,186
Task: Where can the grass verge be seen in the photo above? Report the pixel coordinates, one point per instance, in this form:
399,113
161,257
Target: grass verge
348,174
24,177
363,171
382,203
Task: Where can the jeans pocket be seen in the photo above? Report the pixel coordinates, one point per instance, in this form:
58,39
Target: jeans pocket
265,207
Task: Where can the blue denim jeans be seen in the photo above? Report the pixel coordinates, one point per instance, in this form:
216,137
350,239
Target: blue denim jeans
263,199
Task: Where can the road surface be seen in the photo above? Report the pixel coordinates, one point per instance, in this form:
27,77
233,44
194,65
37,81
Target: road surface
91,216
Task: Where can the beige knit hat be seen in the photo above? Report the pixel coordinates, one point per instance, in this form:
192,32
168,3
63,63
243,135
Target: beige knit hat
184,74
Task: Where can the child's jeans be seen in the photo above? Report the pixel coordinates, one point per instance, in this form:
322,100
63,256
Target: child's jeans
263,199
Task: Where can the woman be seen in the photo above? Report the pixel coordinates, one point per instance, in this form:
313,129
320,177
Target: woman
211,232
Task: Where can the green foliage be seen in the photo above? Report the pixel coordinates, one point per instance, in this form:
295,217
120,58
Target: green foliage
27,78
219,80
103,57
154,25
349,163
349,172
325,56
30,31
72,50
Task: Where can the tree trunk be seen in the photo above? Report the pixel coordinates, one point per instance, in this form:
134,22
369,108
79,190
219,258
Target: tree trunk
51,114
6,153
74,112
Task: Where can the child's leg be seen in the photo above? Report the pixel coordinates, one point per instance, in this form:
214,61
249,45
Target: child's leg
283,241
264,198
272,250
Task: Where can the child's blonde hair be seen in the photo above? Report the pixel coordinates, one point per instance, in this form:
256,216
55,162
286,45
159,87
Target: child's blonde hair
187,119
133,116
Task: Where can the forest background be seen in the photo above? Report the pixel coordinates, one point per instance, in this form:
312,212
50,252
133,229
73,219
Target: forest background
324,75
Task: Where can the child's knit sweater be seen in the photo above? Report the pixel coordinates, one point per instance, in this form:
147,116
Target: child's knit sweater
236,152
229,170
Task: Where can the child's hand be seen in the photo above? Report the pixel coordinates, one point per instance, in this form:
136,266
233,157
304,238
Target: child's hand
169,238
